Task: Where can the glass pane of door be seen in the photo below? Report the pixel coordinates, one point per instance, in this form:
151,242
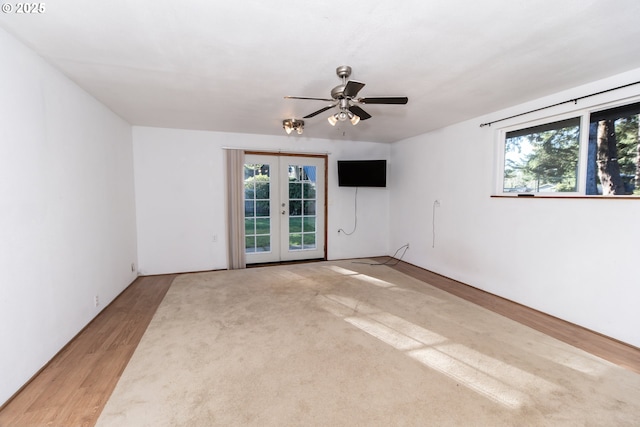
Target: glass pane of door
302,207
257,208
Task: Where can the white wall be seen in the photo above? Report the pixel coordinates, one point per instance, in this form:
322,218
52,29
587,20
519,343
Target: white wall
67,213
180,197
549,254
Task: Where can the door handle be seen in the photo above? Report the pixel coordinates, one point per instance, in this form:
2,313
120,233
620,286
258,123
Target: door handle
284,212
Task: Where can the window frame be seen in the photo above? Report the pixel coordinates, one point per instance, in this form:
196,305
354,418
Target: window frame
584,114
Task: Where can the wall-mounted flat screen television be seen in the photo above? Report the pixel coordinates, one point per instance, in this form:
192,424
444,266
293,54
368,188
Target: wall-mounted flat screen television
362,173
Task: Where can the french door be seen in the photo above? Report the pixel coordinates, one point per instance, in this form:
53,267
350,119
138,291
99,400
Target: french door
284,208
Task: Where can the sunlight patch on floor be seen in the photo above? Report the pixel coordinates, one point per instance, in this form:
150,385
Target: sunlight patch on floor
353,304
584,363
384,333
341,270
290,275
492,378
511,375
374,281
419,333
411,292
380,283
470,377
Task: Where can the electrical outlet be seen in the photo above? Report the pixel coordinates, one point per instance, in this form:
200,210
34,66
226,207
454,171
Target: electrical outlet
96,301
215,238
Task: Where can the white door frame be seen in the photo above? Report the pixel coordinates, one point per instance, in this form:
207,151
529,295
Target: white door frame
280,208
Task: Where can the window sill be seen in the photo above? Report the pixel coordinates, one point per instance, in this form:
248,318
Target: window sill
573,196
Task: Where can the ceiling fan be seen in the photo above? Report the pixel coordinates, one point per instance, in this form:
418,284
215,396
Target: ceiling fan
344,97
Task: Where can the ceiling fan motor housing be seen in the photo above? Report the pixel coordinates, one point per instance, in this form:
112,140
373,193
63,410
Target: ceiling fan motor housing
343,71
337,92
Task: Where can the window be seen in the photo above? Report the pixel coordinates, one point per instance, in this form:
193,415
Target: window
612,166
550,157
543,158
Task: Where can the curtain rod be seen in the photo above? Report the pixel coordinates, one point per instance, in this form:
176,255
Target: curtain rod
278,151
574,100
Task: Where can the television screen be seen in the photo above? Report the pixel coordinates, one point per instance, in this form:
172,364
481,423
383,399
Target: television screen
362,173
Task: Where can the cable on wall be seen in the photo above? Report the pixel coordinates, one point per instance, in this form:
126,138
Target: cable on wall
574,100
390,259
355,222
406,247
436,203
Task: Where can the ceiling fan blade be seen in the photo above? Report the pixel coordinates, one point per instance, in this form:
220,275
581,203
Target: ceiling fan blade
388,100
304,97
322,110
359,112
352,88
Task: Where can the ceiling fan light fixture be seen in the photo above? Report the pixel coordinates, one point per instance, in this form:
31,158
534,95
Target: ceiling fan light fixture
342,116
354,118
289,125
333,119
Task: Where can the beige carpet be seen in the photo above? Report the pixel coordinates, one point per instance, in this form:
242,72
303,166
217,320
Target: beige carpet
347,344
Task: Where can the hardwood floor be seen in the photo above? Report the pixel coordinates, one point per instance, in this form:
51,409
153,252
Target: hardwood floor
74,387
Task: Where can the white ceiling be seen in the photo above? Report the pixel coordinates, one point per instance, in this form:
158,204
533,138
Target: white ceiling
227,65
